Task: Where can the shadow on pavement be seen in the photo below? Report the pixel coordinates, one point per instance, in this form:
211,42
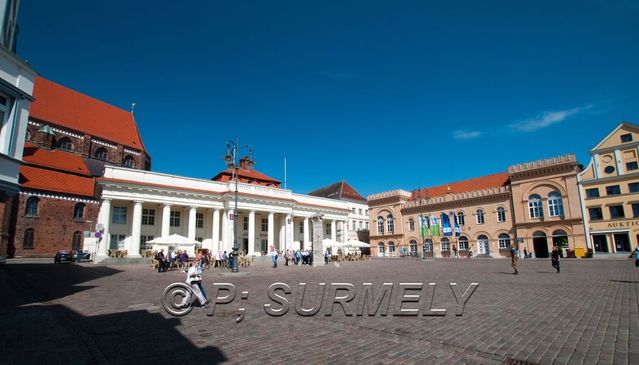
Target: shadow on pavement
625,281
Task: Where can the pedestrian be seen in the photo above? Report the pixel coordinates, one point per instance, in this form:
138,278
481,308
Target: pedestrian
193,279
513,259
454,251
173,258
554,258
286,258
160,258
274,257
636,256
200,258
525,253
225,259
185,260
327,256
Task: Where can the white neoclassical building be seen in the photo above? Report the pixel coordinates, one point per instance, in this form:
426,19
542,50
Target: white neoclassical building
137,206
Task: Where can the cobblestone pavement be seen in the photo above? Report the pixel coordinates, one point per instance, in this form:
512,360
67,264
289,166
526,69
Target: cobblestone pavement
83,314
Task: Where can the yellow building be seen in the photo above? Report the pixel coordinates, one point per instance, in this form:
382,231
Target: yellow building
609,189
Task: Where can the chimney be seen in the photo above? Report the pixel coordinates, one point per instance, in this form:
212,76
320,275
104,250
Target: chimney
246,163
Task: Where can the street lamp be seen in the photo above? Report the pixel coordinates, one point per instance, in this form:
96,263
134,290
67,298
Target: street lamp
232,147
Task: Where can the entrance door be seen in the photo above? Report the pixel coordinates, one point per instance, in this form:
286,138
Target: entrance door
622,242
540,244
380,250
600,241
483,248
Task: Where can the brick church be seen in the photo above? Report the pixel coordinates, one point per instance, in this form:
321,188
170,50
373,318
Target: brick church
70,138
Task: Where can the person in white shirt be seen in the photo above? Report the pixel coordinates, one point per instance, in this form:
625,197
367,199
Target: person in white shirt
193,279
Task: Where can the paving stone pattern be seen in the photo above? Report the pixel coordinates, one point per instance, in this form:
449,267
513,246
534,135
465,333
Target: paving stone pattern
82,314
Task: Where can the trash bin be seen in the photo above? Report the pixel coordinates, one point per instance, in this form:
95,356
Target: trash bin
580,252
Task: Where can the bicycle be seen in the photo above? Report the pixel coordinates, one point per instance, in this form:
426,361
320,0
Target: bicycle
184,306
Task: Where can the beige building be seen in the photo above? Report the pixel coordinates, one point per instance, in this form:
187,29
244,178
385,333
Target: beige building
610,192
535,204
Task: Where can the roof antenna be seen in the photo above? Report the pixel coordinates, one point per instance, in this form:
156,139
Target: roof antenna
132,106
284,173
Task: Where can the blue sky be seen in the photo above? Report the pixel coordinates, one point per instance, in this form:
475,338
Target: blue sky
382,94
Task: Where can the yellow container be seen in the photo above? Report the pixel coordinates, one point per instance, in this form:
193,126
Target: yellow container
580,252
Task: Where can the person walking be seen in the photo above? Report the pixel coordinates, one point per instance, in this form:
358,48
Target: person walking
286,258
525,253
554,258
514,258
160,258
274,257
200,259
454,251
184,257
636,256
193,279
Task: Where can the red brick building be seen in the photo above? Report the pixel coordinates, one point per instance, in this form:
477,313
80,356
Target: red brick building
69,139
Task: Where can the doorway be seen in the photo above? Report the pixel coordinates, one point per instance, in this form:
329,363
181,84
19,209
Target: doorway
483,246
622,242
600,241
540,243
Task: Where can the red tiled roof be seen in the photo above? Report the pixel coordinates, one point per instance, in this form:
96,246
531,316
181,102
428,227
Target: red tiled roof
55,159
483,182
340,191
60,105
49,180
249,176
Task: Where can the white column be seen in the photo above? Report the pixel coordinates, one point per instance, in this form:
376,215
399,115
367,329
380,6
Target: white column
334,230
271,231
232,217
621,169
166,217
290,227
225,231
104,220
251,233
344,231
216,230
136,229
191,232
307,241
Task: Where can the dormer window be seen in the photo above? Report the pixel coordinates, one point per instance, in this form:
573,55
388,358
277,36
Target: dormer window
101,154
65,144
626,138
129,161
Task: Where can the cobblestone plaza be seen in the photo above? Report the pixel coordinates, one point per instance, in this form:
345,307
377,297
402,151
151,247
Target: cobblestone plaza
112,314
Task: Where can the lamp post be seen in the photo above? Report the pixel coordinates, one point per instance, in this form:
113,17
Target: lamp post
232,147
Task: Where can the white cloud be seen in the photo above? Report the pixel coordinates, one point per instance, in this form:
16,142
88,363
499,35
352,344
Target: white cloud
547,119
461,134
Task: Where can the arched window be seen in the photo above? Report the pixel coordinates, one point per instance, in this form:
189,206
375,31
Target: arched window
65,144
501,214
389,224
76,244
534,206
32,206
380,249
428,245
391,248
129,161
560,238
101,154
380,225
27,241
413,246
411,224
445,244
504,241
463,243
461,219
78,211
480,216
555,204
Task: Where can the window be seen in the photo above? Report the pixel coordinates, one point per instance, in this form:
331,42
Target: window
117,242
76,243
504,241
413,246
360,211
609,169
264,225
635,210
380,225
501,214
27,241
463,243
479,214
592,193
631,166
428,245
389,223
199,239
616,211
245,223
411,224
129,161
555,204
301,227
445,244
174,219
101,154
328,228
78,211
626,138
595,214
143,242
354,211
353,225
118,215
633,187
199,220
367,225
461,220
391,248
534,206
613,190
366,211
148,217
32,206
65,144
